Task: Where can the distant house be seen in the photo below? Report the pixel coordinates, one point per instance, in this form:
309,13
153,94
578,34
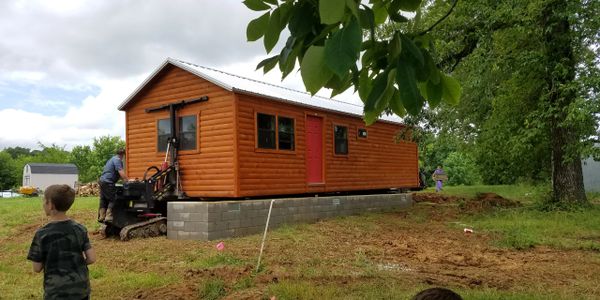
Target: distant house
591,175
42,175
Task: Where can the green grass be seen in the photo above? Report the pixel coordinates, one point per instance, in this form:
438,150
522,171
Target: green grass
212,289
523,228
290,253
15,212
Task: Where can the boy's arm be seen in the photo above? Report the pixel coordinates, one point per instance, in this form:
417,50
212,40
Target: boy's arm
90,256
36,255
37,266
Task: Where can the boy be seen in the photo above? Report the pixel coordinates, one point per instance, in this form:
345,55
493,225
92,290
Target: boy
62,248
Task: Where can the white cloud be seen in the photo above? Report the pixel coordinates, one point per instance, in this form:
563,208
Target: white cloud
105,49
96,116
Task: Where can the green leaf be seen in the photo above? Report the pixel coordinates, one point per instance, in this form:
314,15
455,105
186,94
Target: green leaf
343,49
407,87
383,90
409,49
302,19
290,62
256,5
380,13
379,86
313,70
257,27
364,85
331,11
273,30
451,90
273,2
353,6
395,47
434,93
408,5
396,104
366,18
268,64
339,85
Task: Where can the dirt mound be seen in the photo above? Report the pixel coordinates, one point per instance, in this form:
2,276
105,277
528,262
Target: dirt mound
435,198
486,201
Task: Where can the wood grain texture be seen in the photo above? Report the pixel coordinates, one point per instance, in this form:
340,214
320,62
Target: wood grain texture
207,171
375,162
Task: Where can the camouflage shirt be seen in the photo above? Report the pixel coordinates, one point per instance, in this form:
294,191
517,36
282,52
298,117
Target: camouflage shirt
59,246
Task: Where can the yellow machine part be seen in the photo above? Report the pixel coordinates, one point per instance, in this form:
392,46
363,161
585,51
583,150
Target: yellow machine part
27,190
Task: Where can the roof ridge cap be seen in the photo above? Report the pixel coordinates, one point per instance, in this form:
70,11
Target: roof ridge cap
267,83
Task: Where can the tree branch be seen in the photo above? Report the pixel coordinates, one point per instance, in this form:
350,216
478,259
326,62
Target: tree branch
440,20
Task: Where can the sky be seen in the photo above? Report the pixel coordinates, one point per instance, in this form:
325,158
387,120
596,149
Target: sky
66,65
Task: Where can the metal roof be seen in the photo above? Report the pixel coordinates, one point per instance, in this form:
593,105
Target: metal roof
45,168
243,85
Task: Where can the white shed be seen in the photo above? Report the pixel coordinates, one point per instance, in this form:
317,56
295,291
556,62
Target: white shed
591,175
42,175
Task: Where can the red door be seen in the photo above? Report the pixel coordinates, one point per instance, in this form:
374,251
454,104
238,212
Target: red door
314,149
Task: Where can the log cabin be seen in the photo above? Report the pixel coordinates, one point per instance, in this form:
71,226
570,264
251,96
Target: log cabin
254,139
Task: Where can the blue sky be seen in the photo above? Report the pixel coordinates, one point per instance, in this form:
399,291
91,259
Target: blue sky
47,100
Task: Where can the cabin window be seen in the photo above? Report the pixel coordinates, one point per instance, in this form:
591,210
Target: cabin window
188,130
341,139
285,130
164,131
266,131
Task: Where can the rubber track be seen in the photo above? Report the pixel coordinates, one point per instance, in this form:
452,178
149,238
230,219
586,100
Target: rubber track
144,229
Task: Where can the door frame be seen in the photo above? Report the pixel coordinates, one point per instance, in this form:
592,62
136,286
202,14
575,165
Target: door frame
323,133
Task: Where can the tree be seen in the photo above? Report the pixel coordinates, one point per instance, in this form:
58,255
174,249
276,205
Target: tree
395,74
90,160
17,151
81,156
530,73
536,92
7,178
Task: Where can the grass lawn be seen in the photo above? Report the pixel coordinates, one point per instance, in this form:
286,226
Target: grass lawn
517,253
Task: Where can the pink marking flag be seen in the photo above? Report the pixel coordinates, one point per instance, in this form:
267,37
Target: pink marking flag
220,246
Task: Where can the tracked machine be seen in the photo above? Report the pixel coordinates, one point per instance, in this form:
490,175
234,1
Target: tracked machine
140,208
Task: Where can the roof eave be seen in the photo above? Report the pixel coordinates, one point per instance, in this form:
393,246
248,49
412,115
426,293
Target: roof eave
287,101
175,63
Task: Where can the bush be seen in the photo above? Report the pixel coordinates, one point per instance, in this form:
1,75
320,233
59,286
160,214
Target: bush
461,169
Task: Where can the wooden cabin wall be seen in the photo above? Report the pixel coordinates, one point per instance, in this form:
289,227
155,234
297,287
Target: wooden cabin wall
375,162
207,171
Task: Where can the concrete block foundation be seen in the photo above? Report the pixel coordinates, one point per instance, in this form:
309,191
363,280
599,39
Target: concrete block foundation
224,219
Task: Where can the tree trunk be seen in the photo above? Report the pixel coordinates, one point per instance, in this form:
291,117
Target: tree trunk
567,177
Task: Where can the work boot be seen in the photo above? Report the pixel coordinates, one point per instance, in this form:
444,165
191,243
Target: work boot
101,214
109,216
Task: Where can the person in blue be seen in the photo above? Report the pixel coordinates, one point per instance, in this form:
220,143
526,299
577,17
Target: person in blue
113,170
439,176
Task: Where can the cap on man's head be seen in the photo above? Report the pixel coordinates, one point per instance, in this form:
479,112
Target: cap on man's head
121,151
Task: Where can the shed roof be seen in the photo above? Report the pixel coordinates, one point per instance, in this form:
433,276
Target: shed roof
46,168
243,85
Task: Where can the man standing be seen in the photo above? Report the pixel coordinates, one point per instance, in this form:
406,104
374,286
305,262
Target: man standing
113,170
439,176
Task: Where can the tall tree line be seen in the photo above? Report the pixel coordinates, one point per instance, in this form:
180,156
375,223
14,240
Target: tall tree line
89,159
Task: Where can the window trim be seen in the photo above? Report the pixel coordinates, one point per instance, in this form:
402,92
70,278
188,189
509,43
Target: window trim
276,150
181,152
334,139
